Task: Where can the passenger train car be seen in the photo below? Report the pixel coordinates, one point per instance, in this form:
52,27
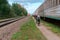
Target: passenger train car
50,9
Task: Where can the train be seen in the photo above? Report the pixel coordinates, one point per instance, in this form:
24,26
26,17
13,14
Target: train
49,9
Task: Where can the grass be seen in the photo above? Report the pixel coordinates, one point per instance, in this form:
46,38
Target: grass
28,31
52,27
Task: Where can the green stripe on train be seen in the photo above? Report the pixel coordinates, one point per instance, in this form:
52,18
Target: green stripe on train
53,17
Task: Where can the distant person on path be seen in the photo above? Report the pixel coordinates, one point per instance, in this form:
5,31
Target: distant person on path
38,19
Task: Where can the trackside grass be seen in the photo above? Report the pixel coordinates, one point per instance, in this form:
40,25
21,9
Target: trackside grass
28,31
52,27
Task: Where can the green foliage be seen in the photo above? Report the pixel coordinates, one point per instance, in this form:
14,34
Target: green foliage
12,13
7,11
3,2
18,9
4,9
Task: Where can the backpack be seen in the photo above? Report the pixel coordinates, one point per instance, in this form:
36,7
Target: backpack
38,18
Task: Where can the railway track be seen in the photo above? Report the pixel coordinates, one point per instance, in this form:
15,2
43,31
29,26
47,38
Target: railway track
8,21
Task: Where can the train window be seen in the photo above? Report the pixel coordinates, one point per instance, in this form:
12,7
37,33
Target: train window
59,2
50,3
56,2
53,2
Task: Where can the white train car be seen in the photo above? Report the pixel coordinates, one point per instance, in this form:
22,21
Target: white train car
50,9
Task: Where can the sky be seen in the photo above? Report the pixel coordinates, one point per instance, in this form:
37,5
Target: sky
30,5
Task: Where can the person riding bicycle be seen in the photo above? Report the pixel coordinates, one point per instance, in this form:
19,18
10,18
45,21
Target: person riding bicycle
38,19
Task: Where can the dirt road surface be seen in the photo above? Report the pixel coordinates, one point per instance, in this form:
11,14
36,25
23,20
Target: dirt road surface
47,33
7,31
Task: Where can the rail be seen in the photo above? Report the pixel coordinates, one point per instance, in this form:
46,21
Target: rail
8,21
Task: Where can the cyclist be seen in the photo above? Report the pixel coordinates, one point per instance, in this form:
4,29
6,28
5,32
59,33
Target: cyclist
38,19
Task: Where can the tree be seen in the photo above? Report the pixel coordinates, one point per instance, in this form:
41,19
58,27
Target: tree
4,9
24,12
7,11
19,10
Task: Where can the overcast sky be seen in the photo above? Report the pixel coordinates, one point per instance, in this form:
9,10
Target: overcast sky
30,5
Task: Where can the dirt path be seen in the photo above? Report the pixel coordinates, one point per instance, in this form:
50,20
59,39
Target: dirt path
47,33
7,31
